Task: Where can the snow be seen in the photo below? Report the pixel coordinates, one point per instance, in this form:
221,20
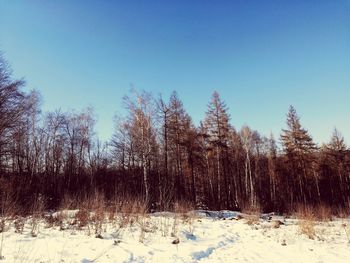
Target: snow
204,236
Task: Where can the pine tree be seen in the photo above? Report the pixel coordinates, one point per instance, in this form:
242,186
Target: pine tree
336,153
177,125
217,127
299,148
192,146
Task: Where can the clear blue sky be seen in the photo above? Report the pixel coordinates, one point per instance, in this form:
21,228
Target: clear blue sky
261,56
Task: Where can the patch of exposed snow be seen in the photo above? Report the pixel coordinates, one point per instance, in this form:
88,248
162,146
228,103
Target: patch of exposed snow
203,237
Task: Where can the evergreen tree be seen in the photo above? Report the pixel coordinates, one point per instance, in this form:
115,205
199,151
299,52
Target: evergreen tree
217,126
299,148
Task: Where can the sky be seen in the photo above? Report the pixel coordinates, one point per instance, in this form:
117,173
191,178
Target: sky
261,56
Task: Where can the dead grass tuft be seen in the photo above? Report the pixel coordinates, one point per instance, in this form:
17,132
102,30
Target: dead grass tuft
319,212
252,210
323,212
37,211
82,217
306,216
307,227
252,220
277,223
19,224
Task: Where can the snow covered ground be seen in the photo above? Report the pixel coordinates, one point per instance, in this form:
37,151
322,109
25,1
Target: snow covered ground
200,236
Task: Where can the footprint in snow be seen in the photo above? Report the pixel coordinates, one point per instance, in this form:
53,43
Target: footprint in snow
190,236
203,254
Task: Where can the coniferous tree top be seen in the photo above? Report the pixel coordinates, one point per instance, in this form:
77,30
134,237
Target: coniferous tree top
337,142
217,119
296,139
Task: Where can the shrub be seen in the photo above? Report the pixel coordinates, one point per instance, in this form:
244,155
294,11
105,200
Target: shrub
307,227
37,210
323,212
82,217
306,216
19,224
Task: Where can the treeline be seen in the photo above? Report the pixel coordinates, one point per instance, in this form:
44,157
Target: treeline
159,155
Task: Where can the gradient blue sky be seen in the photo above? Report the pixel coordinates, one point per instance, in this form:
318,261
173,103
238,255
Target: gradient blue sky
261,56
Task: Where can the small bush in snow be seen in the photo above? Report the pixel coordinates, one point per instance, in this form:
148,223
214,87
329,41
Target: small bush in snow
19,224
37,210
306,216
82,217
252,220
307,227
347,231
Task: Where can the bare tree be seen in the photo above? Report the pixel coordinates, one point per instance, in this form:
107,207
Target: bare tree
141,111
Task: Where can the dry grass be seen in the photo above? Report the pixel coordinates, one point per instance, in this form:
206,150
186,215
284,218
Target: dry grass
307,227
68,202
343,212
82,217
98,206
307,218
19,224
252,220
319,212
252,210
91,213
164,225
37,211
130,211
175,227
347,231
7,210
2,225
126,212
252,217
323,213
183,207
188,218
138,215
277,224
252,214
181,213
144,227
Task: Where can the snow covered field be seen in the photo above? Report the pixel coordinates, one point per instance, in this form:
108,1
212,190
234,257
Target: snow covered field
200,237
